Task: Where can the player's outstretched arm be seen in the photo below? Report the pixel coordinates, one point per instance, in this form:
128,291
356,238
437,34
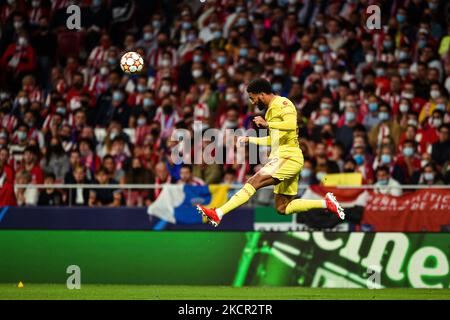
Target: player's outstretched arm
263,141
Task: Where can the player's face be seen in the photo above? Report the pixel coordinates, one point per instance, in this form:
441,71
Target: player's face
256,100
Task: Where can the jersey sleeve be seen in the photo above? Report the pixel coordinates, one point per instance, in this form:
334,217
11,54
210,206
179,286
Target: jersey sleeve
263,141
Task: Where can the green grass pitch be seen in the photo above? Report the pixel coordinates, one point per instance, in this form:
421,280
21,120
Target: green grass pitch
131,292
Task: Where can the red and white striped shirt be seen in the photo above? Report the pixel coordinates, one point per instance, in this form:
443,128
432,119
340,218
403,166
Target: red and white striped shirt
35,14
60,4
9,122
155,57
98,85
97,56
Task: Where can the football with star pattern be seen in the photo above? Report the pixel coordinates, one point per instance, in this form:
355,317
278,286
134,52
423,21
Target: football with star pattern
131,62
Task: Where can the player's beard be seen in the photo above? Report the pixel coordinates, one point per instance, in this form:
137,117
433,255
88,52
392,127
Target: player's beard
260,105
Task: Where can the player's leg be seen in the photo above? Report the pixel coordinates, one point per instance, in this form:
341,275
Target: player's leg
286,204
329,202
259,180
301,205
285,193
282,201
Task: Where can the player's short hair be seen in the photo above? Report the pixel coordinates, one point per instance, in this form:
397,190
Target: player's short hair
259,85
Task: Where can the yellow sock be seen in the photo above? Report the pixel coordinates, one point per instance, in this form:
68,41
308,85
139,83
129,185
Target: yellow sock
299,205
238,199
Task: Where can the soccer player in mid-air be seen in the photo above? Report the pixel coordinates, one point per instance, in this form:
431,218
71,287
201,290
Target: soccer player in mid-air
285,159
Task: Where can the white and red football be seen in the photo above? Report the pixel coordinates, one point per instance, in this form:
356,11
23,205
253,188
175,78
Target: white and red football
131,62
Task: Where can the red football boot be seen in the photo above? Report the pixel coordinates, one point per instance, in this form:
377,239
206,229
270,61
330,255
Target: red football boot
334,206
209,214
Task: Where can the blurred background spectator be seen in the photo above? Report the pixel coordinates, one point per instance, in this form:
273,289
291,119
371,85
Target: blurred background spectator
366,99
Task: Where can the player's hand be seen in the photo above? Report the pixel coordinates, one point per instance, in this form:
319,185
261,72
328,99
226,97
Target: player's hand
260,122
242,141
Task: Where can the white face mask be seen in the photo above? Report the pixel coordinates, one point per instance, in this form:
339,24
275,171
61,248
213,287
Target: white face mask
23,101
165,63
412,122
22,42
165,89
434,94
407,95
436,122
18,24
141,121
370,58
318,68
104,71
197,73
230,124
404,108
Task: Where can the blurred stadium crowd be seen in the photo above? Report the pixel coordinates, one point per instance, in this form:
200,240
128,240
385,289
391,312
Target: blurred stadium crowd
369,101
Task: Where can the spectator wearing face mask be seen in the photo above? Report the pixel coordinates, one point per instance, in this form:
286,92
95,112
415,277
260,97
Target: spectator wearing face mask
402,112
387,126
167,117
137,90
120,111
308,174
104,101
31,164
409,92
344,134
99,81
411,132
148,38
436,102
364,164
431,126
89,158
56,161
409,162
163,47
33,92
18,59
21,105
74,97
371,119
386,184
325,115
99,54
430,175
386,158
26,196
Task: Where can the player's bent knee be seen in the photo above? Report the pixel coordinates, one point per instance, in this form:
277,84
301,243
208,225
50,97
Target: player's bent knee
281,210
255,181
